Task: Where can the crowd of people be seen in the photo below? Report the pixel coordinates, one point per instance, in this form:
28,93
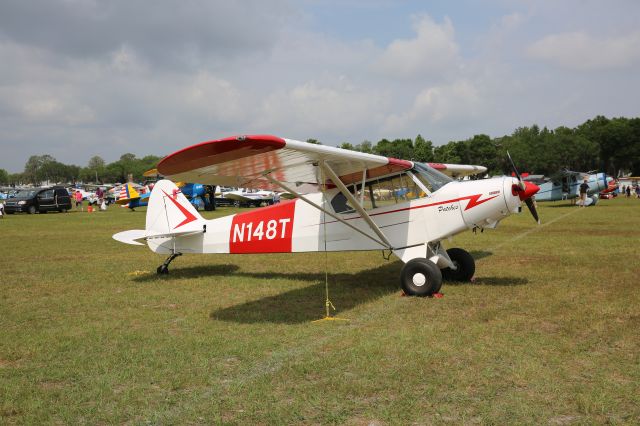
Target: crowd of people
628,190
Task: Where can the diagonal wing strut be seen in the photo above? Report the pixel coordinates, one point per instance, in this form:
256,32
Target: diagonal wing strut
336,180
325,211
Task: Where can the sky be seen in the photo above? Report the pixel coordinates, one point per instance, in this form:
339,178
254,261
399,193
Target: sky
80,78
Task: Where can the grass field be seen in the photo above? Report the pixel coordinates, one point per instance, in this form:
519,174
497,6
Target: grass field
549,332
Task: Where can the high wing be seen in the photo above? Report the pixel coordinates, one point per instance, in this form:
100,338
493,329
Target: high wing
458,170
557,176
245,161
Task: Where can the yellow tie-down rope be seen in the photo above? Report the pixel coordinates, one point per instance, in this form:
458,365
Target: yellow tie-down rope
327,303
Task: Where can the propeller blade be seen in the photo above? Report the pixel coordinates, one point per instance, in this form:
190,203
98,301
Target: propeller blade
515,170
526,190
532,208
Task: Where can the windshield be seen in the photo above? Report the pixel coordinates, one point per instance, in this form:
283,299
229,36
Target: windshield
25,193
432,178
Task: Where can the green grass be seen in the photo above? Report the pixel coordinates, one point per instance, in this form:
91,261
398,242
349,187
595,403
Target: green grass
549,332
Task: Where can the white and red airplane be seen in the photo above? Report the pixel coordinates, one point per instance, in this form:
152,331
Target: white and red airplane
346,200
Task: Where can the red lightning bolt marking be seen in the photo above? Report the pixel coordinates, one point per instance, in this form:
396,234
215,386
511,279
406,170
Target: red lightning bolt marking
473,200
188,217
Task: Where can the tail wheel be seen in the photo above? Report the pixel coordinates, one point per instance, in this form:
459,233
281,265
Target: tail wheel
465,264
420,277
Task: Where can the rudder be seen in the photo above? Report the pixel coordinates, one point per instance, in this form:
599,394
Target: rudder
169,211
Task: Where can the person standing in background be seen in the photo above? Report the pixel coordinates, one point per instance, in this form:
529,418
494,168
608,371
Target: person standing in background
78,197
584,188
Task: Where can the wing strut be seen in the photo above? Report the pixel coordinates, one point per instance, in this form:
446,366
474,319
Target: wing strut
336,180
325,211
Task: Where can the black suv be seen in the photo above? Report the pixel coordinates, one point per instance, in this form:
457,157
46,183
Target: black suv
55,198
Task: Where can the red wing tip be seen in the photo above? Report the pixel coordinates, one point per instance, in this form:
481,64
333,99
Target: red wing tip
406,164
438,166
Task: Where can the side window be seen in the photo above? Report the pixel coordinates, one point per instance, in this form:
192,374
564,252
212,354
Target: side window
46,194
340,204
380,193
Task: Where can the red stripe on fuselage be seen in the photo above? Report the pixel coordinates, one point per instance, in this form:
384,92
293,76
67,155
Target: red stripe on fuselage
265,230
473,201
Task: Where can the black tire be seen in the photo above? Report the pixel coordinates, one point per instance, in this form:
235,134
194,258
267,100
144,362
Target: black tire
162,270
31,210
465,263
420,277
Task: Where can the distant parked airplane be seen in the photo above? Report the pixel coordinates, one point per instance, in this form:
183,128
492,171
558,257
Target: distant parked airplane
565,185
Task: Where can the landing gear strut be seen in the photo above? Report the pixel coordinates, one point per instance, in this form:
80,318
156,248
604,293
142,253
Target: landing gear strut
164,268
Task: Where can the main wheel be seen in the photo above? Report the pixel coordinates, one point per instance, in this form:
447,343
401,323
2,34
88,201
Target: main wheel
465,264
162,269
420,277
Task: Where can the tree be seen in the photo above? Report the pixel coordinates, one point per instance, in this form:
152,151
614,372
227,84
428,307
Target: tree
422,150
314,141
365,147
96,167
446,154
398,148
481,150
347,145
39,168
4,177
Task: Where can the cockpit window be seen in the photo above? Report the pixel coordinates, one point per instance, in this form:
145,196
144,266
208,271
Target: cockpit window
381,192
430,177
340,204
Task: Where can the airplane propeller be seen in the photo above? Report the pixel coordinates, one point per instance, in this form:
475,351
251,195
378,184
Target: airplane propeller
525,191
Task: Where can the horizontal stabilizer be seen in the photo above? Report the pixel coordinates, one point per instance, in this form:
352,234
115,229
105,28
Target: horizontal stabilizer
131,236
174,234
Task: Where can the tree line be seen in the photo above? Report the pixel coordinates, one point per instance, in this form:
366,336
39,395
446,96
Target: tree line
609,145
45,168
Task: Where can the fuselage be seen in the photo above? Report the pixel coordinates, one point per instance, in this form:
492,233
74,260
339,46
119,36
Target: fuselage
296,226
570,187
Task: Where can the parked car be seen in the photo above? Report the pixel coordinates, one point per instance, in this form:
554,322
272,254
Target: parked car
55,198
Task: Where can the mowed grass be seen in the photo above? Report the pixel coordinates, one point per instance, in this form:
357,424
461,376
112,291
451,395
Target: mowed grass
549,332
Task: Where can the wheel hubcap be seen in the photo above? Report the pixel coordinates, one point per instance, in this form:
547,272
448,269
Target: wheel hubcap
419,279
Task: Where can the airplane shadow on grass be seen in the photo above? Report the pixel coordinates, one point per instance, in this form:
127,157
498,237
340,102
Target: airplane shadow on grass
308,303
346,291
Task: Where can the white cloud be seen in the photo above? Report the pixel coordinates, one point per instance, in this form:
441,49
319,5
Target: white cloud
312,109
108,78
213,98
432,51
458,101
579,50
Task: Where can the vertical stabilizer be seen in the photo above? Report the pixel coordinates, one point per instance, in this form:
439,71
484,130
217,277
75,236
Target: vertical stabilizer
169,211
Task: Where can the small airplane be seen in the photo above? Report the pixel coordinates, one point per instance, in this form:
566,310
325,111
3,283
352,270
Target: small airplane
335,207
198,195
565,185
132,196
249,197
